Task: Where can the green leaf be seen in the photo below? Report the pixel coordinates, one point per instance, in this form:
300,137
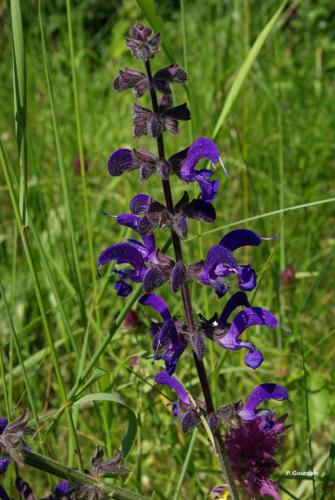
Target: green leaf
245,68
129,439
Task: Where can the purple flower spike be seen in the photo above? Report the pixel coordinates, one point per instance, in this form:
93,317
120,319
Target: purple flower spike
4,462
173,382
199,149
121,161
248,317
260,394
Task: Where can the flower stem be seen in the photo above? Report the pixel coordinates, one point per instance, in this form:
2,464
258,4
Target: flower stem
188,310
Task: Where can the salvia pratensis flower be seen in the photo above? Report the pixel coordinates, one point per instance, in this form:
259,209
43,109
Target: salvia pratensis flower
220,263
183,408
184,163
227,334
251,449
12,437
157,216
138,81
169,341
261,393
148,122
141,43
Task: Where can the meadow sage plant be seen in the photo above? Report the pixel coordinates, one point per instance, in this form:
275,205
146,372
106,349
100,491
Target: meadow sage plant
247,450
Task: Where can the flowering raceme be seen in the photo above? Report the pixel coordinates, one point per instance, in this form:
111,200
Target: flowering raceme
140,261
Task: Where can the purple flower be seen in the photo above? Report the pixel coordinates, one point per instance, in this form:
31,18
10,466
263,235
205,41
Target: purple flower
261,393
148,122
131,79
4,462
250,316
220,263
24,489
183,408
168,342
3,424
142,44
251,450
157,216
287,276
149,265
184,163
227,335
3,493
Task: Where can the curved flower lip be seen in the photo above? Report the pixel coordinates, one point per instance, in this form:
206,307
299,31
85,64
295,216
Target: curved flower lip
157,303
202,148
240,238
248,317
173,382
122,160
123,253
260,394
236,300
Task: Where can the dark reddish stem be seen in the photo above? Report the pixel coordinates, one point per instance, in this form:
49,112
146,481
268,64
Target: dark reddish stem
188,310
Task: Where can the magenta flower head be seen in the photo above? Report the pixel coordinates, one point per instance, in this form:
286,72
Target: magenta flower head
251,449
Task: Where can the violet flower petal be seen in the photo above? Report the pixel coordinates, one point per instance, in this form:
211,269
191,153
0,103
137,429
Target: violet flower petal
157,303
140,203
122,288
236,300
260,394
248,317
3,424
240,238
173,382
200,148
4,462
121,161
200,210
123,253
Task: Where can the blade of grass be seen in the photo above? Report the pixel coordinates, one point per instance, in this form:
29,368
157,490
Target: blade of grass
21,361
39,297
262,216
81,155
62,171
20,101
245,68
185,464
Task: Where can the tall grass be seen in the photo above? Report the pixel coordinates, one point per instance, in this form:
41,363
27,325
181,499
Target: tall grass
257,83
